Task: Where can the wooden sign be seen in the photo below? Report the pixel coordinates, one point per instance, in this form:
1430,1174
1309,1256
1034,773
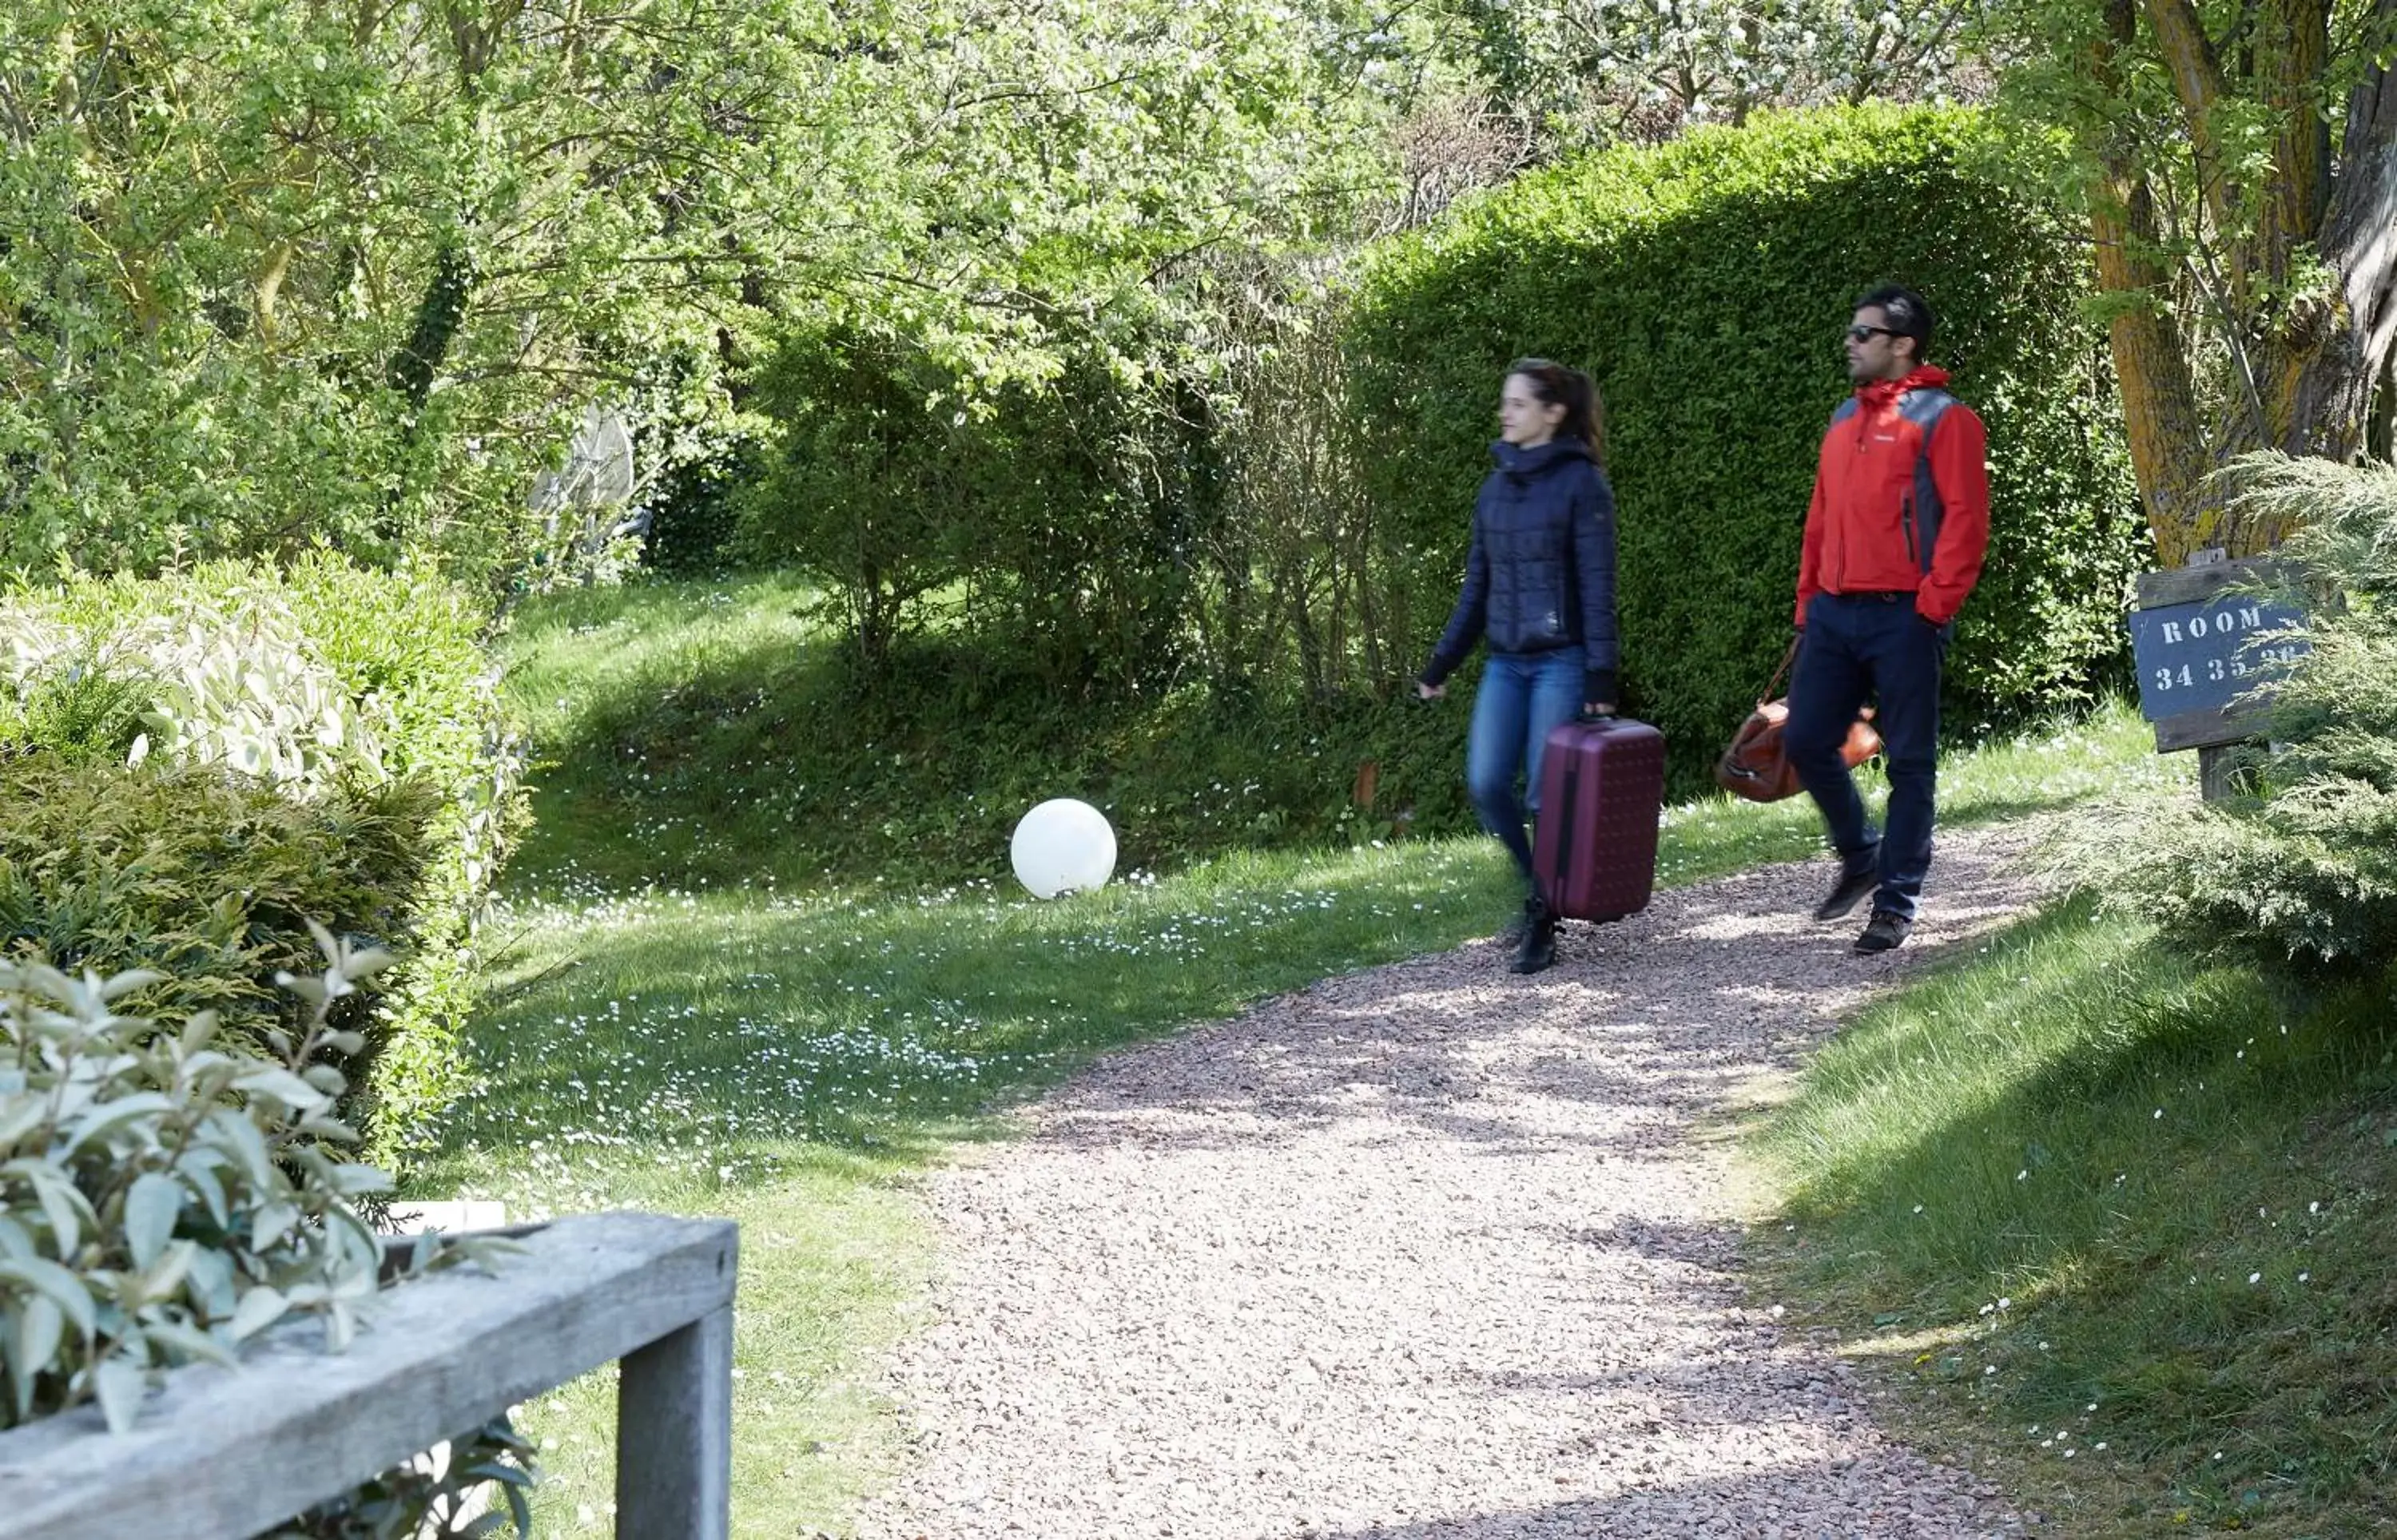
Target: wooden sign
2206,654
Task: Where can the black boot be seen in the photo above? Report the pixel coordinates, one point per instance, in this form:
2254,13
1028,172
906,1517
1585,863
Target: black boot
1538,947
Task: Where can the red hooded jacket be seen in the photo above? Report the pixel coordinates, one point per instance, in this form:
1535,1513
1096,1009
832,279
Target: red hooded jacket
1862,532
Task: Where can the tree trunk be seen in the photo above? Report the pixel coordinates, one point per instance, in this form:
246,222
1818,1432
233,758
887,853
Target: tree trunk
438,316
2314,356
412,370
2331,399
2383,426
2169,455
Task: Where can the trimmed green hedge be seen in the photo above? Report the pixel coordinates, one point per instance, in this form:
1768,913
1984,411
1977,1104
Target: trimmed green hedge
349,693
1703,284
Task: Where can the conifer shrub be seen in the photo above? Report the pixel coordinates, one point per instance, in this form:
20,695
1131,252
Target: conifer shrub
2298,875
204,880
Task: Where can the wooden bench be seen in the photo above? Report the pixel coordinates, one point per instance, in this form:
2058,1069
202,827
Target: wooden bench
224,1455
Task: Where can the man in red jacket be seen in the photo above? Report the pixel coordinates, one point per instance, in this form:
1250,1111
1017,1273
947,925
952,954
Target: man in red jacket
1894,539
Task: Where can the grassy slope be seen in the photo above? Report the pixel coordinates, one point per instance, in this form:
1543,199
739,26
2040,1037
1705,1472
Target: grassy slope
2115,1223
792,1061
701,738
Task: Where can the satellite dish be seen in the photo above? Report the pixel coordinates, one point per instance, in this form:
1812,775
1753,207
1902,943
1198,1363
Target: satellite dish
587,496
602,451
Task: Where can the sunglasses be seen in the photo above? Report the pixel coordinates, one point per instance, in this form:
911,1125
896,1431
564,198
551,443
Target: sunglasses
1862,333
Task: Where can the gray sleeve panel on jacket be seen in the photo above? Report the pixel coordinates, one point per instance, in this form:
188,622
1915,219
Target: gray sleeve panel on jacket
1925,408
1593,551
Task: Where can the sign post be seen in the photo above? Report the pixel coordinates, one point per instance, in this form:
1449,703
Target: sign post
2206,656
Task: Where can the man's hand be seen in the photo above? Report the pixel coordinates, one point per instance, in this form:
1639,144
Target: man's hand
1429,692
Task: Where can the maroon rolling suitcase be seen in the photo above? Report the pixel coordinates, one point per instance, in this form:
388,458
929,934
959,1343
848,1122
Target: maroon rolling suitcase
1602,789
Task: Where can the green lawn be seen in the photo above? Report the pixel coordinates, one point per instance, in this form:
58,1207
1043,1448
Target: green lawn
793,1060
697,736
2117,1223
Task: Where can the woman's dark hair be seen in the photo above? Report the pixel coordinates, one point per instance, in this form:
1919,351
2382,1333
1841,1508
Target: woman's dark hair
1555,385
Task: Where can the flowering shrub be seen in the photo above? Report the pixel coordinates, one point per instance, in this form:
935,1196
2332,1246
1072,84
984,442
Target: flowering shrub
320,679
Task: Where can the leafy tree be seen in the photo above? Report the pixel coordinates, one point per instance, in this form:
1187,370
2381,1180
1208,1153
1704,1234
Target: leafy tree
273,275
1641,69
2238,159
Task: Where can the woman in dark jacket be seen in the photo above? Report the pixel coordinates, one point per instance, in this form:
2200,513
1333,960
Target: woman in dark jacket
1539,588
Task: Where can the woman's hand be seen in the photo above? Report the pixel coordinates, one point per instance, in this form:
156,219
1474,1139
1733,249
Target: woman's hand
1429,692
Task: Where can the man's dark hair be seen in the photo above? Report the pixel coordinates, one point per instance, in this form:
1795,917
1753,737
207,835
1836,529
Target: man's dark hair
1908,312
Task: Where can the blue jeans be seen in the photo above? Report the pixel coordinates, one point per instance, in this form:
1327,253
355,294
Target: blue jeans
1523,698
1860,645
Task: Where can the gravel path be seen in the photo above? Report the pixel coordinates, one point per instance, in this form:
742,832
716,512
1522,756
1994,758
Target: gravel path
1425,1251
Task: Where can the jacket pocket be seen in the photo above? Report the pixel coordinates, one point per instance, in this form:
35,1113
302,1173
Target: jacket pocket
1905,525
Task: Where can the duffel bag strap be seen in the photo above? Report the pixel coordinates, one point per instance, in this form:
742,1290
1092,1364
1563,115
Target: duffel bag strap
1772,691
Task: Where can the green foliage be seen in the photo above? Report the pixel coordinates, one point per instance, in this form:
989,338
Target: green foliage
1307,582
693,511
426,1499
205,880
273,276
414,644
2302,873
77,712
169,1199
1055,519
216,685
1704,286
361,694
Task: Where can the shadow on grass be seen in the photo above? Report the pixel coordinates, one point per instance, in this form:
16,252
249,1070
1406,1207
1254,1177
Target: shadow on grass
727,765
2161,1166
697,739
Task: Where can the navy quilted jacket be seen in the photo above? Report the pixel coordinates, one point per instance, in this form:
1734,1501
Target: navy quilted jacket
1540,574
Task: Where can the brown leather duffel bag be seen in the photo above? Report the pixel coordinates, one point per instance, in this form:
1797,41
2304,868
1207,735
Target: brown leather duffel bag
1754,765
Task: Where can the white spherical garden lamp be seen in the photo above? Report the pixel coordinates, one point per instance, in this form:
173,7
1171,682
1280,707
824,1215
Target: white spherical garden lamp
1063,846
